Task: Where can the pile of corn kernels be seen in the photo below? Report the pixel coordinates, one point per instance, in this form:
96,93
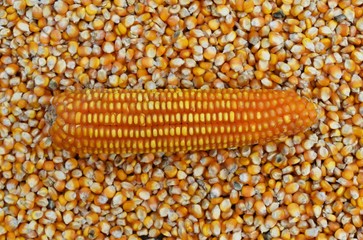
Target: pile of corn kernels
308,186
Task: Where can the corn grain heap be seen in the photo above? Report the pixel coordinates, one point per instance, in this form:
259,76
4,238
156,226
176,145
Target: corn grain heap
307,186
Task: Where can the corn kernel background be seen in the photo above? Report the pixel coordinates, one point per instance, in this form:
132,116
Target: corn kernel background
309,186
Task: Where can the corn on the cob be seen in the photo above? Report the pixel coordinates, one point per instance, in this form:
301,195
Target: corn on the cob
139,121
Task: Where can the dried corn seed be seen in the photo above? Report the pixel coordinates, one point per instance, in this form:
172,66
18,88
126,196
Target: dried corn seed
307,186
119,121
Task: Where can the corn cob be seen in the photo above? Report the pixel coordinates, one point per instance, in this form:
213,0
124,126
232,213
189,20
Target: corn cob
140,121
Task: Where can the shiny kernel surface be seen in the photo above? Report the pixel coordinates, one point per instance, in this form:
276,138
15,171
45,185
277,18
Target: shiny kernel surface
175,120
304,186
